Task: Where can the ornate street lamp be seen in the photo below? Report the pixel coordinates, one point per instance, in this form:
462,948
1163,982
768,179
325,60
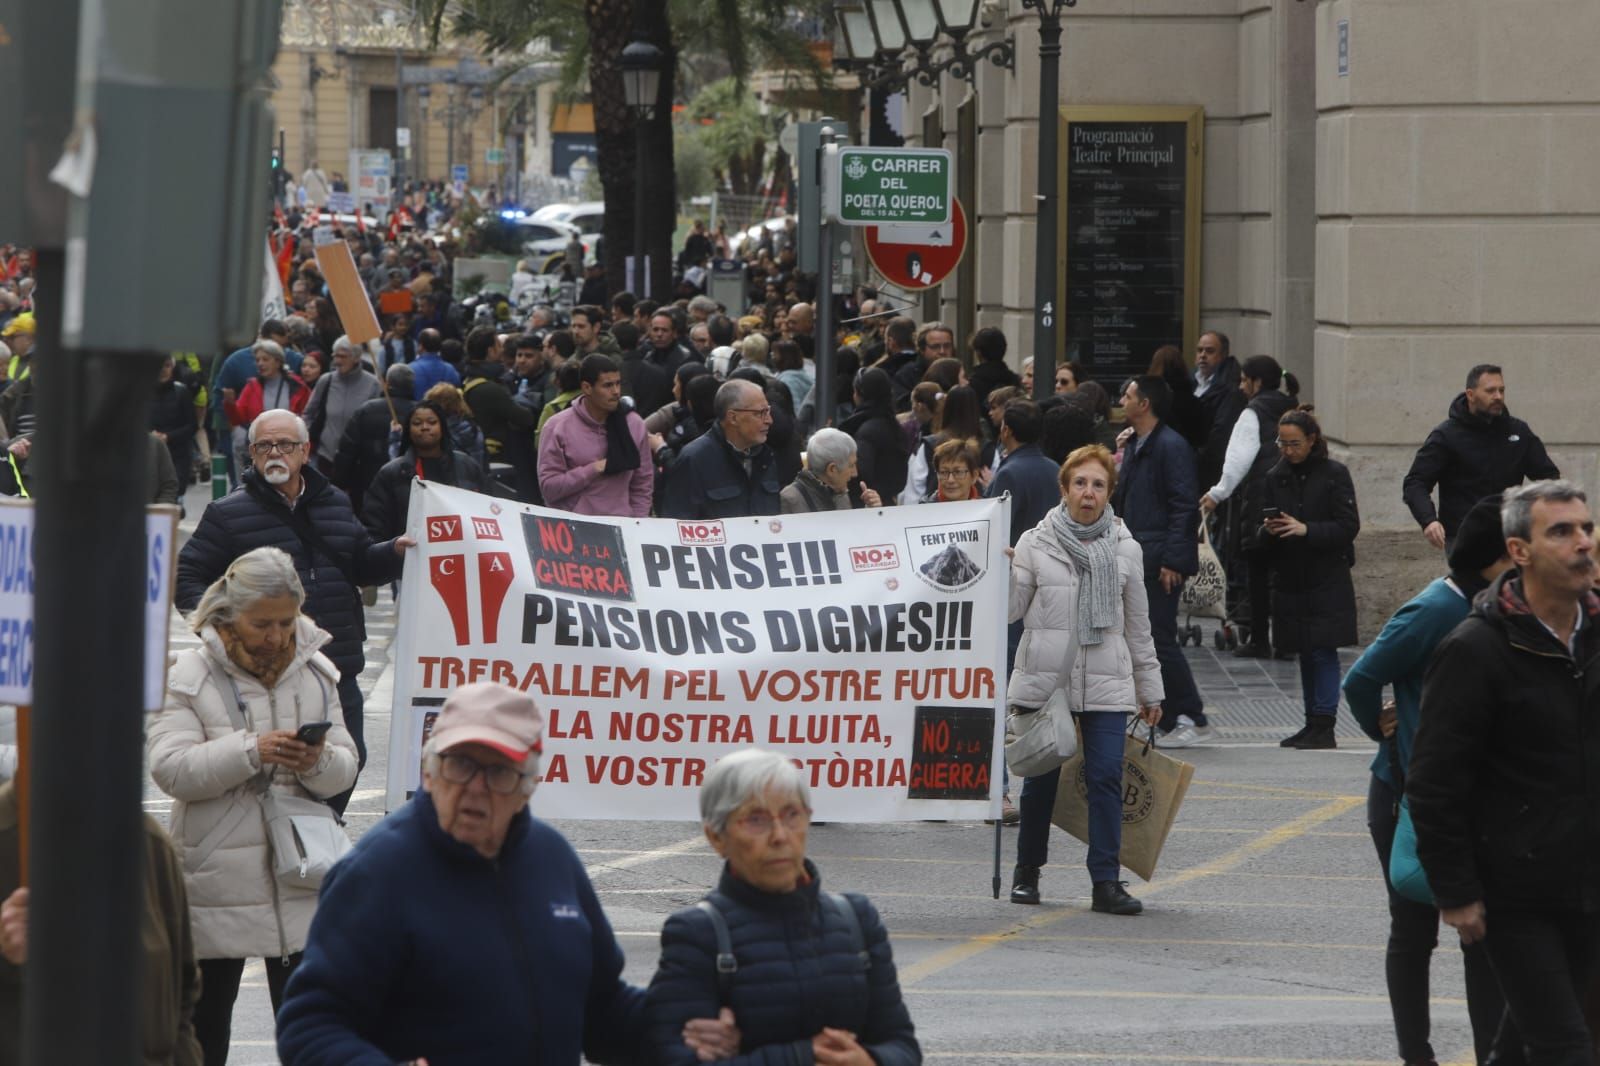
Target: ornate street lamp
641,64
1045,312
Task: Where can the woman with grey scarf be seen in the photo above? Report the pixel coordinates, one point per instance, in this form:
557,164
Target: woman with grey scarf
1077,584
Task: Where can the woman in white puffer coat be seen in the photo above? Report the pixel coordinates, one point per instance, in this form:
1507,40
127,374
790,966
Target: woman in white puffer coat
1077,584
227,731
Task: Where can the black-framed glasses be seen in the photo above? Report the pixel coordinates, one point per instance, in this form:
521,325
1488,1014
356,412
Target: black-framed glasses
267,447
954,472
461,769
759,412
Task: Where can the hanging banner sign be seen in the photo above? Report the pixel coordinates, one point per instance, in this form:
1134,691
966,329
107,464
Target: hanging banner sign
16,600
868,646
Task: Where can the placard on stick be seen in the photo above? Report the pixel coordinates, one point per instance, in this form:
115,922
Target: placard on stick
349,294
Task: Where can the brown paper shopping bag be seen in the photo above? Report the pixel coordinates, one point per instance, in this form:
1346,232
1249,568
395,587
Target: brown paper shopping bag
1153,787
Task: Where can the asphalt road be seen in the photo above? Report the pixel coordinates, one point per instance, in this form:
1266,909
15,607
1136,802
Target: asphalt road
1262,942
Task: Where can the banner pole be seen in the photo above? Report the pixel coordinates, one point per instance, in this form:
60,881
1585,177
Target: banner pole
24,757
999,827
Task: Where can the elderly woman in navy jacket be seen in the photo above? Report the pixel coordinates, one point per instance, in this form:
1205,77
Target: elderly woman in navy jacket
808,974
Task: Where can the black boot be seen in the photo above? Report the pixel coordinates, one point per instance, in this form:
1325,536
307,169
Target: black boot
1111,897
1294,741
1317,736
1025,884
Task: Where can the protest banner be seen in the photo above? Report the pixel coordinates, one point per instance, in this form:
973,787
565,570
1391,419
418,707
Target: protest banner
868,646
16,600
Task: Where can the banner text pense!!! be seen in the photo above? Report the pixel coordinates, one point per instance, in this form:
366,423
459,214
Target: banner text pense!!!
867,646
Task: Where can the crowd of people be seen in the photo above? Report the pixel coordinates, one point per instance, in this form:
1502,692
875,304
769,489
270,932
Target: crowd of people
624,406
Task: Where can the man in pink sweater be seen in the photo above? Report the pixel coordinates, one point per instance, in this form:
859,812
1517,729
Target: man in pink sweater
593,457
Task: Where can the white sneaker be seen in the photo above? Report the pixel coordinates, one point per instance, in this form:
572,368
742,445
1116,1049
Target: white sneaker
1186,734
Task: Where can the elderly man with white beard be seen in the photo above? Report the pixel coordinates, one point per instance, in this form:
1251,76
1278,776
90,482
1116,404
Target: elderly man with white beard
283,502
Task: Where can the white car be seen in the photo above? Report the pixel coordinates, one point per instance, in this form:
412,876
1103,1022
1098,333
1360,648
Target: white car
542,242
745,242
589,216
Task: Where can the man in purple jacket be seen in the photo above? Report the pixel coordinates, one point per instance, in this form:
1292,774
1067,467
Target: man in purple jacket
593,457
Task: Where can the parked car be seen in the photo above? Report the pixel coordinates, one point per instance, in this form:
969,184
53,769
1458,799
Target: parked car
589,216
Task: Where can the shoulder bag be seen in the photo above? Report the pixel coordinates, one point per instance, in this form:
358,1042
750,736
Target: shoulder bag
303,835
1040,739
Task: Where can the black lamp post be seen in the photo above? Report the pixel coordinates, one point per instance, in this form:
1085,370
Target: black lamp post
1045,312
641,88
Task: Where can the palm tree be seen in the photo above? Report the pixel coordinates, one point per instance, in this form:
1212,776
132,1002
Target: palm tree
725,36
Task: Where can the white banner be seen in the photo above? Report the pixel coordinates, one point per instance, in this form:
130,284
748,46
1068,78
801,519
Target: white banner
16,600
869,646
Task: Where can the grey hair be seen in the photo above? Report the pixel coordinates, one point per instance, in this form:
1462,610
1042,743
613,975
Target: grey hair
829,447
704,305
741,777
1516,506
729,393
530,766
400,376
272,348
753,349
346,343
301,433
262,574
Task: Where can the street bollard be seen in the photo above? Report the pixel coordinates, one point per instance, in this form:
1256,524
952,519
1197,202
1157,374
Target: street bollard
219,475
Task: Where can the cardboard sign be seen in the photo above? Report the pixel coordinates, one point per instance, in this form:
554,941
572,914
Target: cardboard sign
349,293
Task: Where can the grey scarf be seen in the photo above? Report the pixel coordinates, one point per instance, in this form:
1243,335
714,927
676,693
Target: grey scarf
1093,550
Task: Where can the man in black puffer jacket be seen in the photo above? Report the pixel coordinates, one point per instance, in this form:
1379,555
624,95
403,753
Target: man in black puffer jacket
728,471
1502,784
1476,452
282,502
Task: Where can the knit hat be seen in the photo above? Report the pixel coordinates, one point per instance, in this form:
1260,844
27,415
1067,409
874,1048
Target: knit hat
1479,542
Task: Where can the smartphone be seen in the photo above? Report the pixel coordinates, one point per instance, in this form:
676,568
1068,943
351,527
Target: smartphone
313,732
1270,512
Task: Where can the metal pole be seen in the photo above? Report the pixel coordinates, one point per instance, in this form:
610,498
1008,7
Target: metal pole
641,275
824,353
1044,257
399,122
87,884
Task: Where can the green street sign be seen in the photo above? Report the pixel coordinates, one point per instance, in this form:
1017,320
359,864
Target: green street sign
890,186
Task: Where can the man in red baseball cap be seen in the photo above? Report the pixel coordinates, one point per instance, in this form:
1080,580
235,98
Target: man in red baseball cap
463,930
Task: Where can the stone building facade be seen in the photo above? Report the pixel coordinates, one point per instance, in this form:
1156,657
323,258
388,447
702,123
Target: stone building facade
1394,191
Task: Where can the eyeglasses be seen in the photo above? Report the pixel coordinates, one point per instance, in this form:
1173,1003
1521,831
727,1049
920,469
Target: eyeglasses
759,412
958,471
267,447
461,769
760,823
1290,445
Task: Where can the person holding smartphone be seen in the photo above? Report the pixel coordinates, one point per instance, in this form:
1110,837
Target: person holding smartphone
1309,523
254,708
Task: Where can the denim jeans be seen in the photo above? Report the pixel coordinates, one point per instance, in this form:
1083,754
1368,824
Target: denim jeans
1545,960
1413,935
1103,734
1176,678
1319,681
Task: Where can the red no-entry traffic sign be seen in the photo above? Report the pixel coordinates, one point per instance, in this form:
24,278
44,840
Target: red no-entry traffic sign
920,266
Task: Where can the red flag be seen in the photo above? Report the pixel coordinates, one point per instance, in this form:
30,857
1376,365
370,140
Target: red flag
394,224
361,223
277,214
285,259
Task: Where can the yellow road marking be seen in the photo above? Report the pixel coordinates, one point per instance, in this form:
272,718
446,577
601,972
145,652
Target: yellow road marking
1283,834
